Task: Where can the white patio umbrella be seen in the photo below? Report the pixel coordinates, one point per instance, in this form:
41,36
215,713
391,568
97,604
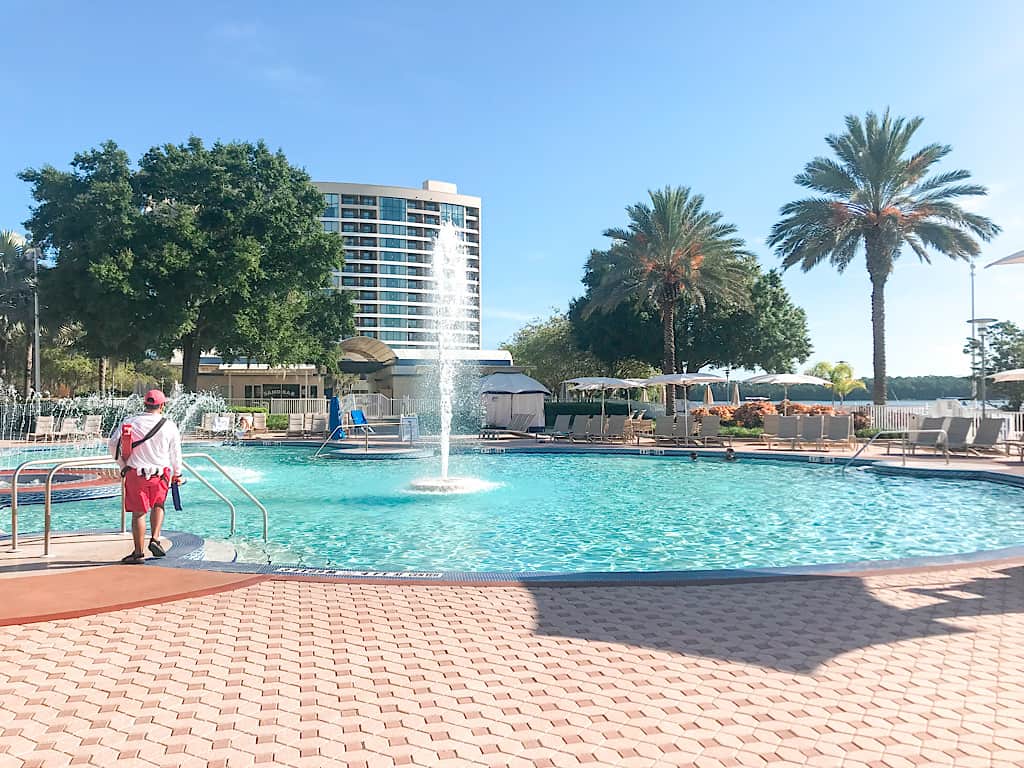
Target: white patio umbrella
709,396
1013,258
602,383
684,380
787,380
735,395
1017,374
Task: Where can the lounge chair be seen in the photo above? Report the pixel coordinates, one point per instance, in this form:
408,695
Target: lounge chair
206,425
259,422
318,427
771,428
43,429
560,430
709,428
93,426
358,419
582,429
838,430
956,432
296,425
789,429
928,436
986,436
615,430
684,430
665,430
812,430
70,428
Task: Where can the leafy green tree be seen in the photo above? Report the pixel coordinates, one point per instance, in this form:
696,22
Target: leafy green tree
1004,351
878,197
672,248
841,376
767,331
200,248
547,351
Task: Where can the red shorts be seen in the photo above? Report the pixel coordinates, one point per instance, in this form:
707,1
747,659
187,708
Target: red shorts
142,494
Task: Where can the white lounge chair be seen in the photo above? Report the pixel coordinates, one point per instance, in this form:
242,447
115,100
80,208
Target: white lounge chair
560,429
70,428
928,436
296,425
318,425
259,421
582,429
789,430
615,429
710,426
956,432
812,430
665,430
93,426
43,429
838,431
986,436
771,428
684,430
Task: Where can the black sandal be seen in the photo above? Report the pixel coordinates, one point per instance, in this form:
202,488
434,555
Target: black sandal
135,558
156,549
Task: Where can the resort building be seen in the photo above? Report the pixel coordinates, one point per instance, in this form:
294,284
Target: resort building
388,233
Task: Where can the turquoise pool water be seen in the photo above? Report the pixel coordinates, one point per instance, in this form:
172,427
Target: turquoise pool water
580,513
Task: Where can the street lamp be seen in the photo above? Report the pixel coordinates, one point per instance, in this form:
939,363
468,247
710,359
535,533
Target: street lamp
34,253
981,323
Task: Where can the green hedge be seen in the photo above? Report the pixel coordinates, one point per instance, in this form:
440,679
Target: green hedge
552,409
248,409
277,422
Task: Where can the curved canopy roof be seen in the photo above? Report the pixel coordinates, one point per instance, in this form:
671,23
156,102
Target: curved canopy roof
507,383
365,349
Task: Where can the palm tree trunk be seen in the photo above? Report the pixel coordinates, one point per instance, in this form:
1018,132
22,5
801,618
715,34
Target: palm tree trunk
101,371
668,358
878,278
190,352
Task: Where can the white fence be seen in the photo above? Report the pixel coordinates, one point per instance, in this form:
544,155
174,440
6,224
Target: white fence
376,406
903,417
284,404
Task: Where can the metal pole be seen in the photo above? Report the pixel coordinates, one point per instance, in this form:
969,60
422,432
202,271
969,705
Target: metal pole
981,379
974,343
36,363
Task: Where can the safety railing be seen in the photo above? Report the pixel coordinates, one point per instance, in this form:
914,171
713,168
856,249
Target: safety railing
98,462
941,441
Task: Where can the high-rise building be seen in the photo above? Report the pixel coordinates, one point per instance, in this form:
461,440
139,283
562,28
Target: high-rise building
388,232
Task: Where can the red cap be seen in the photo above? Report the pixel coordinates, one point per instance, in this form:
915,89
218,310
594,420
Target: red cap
155,397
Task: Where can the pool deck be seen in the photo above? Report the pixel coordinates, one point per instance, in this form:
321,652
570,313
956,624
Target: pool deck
143,666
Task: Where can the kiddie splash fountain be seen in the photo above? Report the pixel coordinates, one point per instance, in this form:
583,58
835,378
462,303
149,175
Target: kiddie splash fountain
452,289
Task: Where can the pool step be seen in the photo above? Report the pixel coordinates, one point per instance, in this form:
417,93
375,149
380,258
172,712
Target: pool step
220,551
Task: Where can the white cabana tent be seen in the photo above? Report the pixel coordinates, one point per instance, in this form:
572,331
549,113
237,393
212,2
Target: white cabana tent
504,394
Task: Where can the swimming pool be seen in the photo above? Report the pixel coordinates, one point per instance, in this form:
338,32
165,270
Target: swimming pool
573,513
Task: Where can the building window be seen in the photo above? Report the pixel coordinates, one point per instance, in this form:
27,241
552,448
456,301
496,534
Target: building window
330,206
394,282
392,229
330,226
346,227
393,322
348,199
367,215
365,200
456,214
393,269
392,256
392,242
348,213
392,209
394,336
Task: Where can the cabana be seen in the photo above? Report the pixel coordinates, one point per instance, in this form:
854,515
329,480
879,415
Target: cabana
504,395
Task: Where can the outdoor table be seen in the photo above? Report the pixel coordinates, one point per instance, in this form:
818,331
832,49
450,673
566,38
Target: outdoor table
1019,445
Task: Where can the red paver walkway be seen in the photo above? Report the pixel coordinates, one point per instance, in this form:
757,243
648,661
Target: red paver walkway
891,670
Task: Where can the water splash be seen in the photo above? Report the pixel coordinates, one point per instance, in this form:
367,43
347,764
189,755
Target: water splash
452,287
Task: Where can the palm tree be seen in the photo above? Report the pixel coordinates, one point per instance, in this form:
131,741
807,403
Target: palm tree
16,284
672,249
841,376
877,195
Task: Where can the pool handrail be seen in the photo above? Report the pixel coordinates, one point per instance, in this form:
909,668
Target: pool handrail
99,462
903,441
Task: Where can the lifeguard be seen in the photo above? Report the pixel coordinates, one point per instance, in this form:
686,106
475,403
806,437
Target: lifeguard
148,449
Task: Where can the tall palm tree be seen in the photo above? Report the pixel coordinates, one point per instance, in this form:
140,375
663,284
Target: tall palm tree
841,376
672,249
16,284
877,195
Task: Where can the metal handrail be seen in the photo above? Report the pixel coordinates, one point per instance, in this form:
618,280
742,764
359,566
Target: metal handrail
905,432
102,462
329,438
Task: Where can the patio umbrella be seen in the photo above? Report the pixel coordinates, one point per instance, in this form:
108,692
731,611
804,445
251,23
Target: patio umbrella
735,395
786,380
1013,258
709,396
602,383
684,380
1017,374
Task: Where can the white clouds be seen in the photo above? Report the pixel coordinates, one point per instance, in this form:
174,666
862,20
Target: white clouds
492,313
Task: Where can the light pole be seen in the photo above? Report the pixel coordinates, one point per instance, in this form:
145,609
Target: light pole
36,363
981,323
974,352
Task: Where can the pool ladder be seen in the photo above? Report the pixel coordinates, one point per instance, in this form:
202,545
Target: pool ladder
99,462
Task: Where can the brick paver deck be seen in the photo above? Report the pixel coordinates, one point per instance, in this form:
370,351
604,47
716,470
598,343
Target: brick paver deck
891,670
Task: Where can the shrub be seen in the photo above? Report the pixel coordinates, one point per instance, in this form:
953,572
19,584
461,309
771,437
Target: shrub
724,412
741,431
588,408
248,409
752,414
799,409
277,422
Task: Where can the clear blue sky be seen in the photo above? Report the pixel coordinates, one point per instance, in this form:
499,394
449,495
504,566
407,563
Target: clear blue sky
558,115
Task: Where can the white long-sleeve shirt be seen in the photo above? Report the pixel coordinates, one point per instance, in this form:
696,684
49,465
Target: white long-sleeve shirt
162,451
